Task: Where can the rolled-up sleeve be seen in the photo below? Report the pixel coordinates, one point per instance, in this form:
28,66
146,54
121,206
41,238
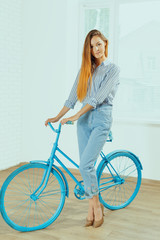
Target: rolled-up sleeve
111,80
72,99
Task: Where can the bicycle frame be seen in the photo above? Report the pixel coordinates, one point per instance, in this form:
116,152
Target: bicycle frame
50,162
118,175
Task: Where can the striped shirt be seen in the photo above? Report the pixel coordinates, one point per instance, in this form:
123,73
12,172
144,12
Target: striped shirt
105,81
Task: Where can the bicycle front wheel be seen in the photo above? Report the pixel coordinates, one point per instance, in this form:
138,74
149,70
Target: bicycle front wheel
22,212
119,180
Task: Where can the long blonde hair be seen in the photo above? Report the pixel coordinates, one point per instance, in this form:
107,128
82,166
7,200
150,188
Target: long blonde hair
88,64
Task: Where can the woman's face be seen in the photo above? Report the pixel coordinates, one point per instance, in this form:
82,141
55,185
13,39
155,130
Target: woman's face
97,47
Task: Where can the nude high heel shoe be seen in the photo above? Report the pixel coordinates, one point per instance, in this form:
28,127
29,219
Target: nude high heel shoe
100,222
88,223
102,209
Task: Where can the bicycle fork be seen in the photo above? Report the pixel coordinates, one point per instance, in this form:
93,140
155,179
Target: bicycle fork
35,195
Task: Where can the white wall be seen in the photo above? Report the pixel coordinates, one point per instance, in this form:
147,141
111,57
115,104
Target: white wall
11,76
142,139
50,67
44,72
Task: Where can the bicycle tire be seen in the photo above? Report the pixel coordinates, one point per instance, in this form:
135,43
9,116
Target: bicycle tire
23,213
114,192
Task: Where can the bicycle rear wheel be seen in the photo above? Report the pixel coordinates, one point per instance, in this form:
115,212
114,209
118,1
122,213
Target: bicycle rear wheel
23,213
119,180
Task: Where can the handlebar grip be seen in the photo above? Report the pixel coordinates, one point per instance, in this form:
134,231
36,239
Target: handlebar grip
59,128
69,122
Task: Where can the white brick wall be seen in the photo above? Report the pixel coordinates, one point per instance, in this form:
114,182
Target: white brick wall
10,82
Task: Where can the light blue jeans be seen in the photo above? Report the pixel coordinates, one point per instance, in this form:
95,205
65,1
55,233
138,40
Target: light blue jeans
92,130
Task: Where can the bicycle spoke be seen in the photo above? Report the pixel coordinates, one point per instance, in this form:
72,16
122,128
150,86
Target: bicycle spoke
118,180
22,209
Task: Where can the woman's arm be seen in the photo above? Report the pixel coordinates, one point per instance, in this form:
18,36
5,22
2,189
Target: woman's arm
69,103
60,114
63,111
110,82
85,109
72,99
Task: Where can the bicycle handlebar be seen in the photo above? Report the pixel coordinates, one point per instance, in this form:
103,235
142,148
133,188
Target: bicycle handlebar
59,128
70,122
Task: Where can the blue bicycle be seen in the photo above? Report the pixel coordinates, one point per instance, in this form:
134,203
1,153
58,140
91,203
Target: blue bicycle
33,196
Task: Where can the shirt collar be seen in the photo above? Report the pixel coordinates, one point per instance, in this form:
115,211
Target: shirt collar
106,62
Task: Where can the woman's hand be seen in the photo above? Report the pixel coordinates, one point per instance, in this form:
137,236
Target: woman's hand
73,118
53,120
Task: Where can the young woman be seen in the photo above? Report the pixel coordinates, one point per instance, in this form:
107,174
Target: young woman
95,86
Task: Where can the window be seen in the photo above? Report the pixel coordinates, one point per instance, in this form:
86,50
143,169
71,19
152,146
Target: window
133,30
97,18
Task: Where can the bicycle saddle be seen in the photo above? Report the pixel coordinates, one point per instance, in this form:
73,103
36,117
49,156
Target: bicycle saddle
110,137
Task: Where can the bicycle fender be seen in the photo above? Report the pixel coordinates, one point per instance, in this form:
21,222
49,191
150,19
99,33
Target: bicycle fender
115,152
127,151
59,171
137,158
64,179
0,201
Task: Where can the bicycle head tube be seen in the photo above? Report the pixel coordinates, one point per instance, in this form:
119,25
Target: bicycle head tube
55,130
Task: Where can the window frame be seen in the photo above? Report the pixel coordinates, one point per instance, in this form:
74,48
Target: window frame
113,41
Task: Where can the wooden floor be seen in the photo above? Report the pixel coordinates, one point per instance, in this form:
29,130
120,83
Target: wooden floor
140,220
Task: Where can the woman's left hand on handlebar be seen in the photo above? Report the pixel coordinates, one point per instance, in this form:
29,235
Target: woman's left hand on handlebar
72,119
